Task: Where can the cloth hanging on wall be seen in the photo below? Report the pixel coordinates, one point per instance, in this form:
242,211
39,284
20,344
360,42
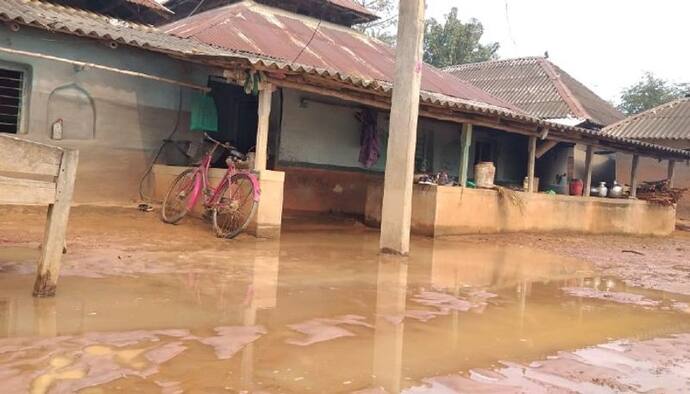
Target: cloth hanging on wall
204,113
370,147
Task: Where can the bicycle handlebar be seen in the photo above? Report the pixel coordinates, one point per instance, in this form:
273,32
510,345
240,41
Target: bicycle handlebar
223,144
234,152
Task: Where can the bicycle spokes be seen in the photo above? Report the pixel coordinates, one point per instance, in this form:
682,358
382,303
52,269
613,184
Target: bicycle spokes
235,207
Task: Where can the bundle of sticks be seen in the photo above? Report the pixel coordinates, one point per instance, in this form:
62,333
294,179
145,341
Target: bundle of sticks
659,192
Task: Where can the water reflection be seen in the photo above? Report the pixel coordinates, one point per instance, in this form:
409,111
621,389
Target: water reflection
261,294
449,307
389,326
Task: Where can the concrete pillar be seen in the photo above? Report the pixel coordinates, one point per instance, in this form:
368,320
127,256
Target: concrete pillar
588,170
531,163
262,129
397,195
671,172
465,143
633,176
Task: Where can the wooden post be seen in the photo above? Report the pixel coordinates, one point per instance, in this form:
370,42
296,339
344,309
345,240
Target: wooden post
633,176
671,172
465,143
588,171
56,227
531,162
397,190
265,96
545,147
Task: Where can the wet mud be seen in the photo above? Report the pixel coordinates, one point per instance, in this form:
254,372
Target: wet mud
143,307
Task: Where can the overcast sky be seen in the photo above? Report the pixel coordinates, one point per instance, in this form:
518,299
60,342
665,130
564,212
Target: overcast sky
606,44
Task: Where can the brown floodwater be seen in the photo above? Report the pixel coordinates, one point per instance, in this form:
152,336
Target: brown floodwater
317,311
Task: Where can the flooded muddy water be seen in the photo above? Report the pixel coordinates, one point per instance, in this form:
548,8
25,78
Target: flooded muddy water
317,311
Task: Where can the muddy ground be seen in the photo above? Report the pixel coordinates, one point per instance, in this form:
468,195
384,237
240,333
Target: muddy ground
148,307
661,263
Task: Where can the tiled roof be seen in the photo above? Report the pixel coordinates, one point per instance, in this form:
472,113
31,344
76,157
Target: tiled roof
540,88
72,21
58,18
669,121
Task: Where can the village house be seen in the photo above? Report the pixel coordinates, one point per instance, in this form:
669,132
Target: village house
668,125
297,84
542,89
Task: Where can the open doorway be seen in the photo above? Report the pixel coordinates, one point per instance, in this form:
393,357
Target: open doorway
237,115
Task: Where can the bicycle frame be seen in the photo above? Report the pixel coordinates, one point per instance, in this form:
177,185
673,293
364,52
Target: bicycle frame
211,195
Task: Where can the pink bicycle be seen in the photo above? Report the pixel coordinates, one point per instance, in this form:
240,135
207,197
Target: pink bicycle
232,204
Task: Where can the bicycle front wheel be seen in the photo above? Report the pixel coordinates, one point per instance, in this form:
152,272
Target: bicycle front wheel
236,206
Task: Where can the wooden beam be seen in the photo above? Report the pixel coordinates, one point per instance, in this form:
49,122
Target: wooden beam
56,227
545,147
633,176
265,96
531,162
85,65
28,157
544,133
588,171
671,172
15,191
465,143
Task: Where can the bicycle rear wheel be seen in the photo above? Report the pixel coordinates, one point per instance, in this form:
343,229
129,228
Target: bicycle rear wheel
175,205
236,206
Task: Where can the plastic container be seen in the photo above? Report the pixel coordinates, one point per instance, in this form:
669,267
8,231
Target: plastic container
576,187
484,174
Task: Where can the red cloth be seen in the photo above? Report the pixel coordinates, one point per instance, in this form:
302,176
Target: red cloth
370,147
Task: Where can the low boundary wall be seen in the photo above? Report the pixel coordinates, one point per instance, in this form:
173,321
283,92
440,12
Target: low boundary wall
444,210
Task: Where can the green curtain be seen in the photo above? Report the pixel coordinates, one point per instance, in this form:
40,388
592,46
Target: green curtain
204,113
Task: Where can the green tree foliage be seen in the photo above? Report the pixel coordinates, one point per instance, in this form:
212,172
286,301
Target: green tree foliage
385,27
650,92
452,42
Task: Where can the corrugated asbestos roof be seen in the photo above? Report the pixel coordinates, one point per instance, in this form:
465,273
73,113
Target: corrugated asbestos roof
540,88
252,27
669,121
58,18
67,20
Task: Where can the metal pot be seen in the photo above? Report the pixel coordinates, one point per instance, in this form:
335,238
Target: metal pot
616,190
603,190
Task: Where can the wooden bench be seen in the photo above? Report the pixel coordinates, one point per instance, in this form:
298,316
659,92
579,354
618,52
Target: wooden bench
37,174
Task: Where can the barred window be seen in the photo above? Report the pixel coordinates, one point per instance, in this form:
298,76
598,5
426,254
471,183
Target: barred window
11,96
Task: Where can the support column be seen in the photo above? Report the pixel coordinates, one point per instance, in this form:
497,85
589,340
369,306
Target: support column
588,170
269,214
465,143
633,176
531,162
671,172
397,193
265,95
56,227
